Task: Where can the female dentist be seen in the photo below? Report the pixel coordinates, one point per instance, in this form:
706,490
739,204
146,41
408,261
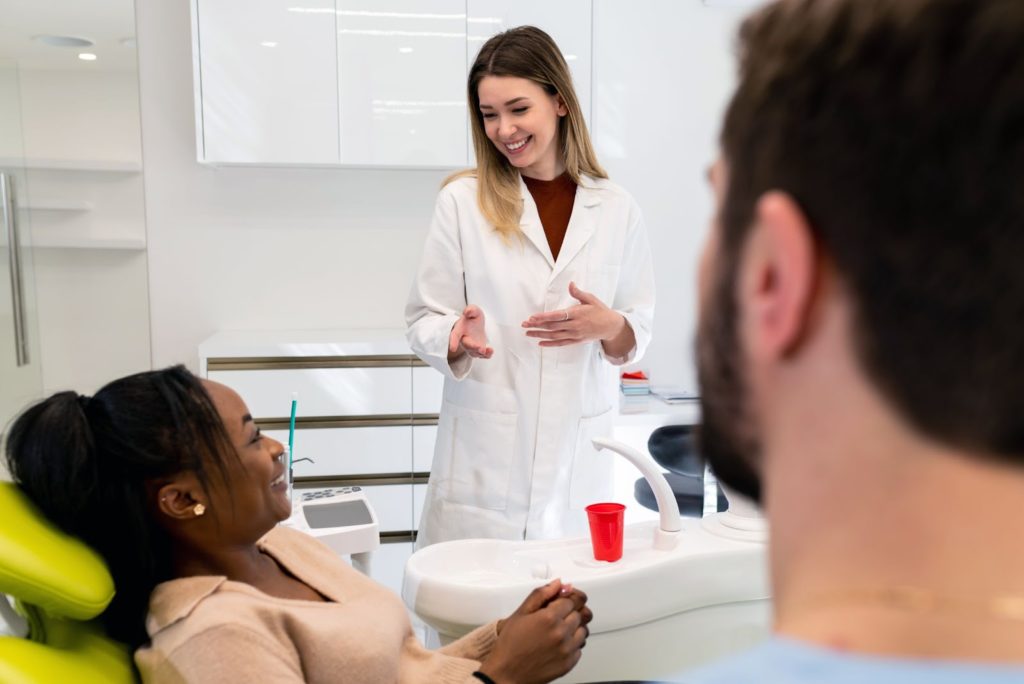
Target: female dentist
534,285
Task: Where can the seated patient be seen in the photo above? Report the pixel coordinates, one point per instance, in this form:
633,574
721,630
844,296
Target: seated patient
167,477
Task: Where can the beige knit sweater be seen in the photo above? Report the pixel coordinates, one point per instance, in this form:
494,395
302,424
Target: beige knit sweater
211,629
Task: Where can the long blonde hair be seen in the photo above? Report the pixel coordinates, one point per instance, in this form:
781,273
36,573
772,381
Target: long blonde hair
524,52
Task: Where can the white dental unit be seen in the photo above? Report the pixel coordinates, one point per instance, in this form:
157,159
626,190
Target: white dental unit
342,518
686,590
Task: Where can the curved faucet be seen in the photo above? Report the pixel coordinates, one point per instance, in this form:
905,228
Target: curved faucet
667,536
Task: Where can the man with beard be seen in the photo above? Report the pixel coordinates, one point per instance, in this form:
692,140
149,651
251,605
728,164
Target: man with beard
861,348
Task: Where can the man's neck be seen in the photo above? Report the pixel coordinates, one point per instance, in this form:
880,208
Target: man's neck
863,509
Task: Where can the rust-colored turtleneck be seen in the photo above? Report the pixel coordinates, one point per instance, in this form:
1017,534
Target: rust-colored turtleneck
554,199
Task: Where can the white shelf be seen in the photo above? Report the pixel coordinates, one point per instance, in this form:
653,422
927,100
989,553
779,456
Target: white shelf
105,165
58,205
128,244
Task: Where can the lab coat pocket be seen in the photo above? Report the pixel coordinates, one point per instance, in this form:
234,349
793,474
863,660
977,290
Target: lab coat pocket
603,281
482,448
592,470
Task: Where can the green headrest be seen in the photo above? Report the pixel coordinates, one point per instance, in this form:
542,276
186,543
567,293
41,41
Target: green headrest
41,565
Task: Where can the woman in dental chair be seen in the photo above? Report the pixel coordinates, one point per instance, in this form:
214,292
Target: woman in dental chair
167,477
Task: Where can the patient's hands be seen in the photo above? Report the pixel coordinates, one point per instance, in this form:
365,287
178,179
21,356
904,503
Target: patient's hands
542,640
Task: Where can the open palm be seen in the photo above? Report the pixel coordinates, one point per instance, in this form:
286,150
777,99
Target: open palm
469,334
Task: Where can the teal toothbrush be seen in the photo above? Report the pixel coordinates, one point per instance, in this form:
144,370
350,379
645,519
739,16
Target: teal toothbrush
291,433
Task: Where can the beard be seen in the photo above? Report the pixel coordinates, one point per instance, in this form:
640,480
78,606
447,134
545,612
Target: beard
726,437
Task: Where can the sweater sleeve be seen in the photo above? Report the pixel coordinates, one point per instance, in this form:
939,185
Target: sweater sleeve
438,293
225,653
476,645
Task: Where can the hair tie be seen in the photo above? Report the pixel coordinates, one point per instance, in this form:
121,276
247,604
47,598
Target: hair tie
84,401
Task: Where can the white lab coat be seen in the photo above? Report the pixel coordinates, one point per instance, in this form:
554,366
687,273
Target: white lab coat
513,457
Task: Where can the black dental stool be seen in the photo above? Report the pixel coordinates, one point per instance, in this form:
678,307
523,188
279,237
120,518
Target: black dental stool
672,447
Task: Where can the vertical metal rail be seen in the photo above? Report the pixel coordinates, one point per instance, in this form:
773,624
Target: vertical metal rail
14,258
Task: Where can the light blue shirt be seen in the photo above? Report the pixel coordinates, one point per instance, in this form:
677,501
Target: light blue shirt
786,661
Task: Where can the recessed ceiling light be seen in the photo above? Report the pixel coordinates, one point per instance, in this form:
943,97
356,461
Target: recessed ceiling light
268,43
62,41
405,50
86,56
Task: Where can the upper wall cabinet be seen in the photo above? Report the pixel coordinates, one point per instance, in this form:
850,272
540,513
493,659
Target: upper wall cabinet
376,83
401,82
266,83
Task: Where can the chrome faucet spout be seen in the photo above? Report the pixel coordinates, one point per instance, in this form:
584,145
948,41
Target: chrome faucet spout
670,524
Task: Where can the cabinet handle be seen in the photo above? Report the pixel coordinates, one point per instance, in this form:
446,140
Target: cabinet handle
14,261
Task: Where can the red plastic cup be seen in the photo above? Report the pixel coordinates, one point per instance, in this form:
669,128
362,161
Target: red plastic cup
606,523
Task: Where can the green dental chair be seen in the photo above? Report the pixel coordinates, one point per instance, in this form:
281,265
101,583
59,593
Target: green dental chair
59,586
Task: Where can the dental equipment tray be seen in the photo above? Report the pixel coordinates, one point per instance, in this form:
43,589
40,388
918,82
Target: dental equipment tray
342,518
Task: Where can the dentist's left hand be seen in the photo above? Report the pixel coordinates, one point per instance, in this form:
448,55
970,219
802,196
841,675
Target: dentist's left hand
591,319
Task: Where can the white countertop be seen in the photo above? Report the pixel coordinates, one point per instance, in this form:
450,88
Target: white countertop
340,342
654,412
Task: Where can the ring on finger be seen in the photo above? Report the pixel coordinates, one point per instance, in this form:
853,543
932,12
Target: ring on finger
566,312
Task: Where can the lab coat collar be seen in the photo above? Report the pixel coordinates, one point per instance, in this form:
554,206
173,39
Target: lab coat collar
582,223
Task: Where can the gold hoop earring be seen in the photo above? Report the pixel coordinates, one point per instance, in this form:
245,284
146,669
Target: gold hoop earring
199,509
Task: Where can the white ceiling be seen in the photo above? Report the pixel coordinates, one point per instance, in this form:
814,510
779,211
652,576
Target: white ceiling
105,22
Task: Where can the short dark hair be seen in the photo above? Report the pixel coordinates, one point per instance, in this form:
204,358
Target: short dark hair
898,127
86,463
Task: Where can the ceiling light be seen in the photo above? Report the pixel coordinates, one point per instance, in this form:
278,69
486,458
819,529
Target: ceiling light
86,56
268,43
405,50
62,41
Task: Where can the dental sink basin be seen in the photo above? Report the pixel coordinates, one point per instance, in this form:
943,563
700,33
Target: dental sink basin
677,597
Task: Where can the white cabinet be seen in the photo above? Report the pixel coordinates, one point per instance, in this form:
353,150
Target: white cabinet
376,83
401,82
266,82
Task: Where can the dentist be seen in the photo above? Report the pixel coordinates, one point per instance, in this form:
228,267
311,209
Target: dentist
534,285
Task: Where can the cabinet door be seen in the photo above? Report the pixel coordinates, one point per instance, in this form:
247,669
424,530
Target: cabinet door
424,438
568,22
322,392
266,77
427,390
341,452
401,82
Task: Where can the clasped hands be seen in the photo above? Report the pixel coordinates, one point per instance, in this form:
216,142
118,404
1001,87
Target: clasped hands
589,320
543,639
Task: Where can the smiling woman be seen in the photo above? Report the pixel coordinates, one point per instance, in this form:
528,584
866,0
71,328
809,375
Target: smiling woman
536,275
170,480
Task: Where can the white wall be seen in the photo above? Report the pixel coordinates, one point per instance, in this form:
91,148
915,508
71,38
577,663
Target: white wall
258,248
663,71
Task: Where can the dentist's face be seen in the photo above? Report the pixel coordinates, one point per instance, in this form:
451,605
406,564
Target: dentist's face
256,496
521,119
727,436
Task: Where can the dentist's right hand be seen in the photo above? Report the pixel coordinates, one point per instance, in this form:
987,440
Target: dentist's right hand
543,639
468,335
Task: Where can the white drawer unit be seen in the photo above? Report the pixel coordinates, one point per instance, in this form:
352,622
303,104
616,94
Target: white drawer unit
423,439
371,450
366,416
325,391
427,386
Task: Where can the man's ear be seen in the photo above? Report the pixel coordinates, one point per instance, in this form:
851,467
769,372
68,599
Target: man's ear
177,499
780,277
